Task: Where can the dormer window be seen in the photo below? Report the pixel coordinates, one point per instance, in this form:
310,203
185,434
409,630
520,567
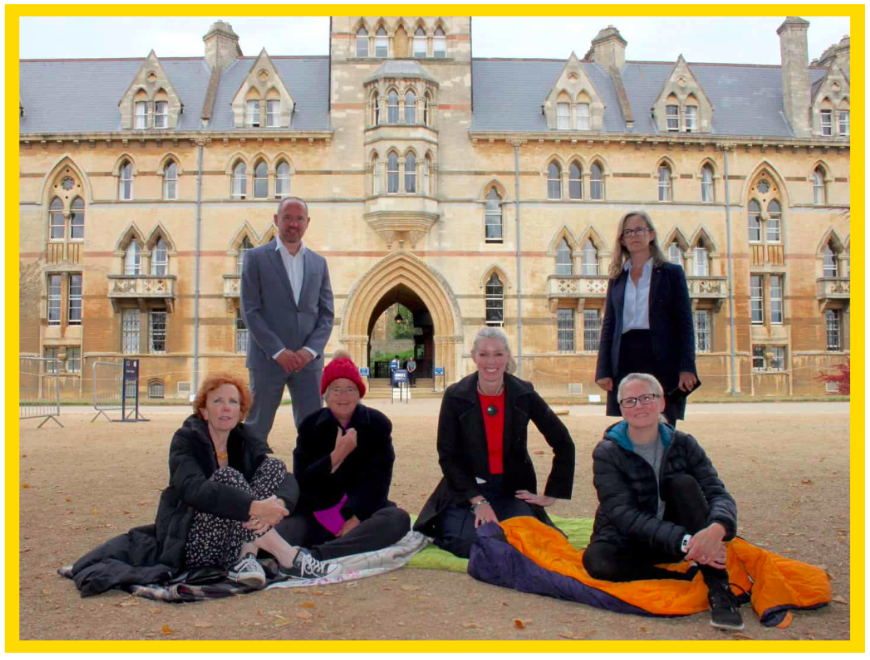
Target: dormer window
844,123
827,122
382,48
582,111
362,43
141,118
439,44
252,113
419,43
161,114
673,117
273,111
563,116
691,118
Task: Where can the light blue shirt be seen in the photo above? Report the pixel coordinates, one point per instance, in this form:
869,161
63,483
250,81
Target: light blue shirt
635,306
295,267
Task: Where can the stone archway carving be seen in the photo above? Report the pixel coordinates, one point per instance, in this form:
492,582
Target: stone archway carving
404,268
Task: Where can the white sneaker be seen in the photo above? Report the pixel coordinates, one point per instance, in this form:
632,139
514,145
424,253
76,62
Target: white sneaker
248,572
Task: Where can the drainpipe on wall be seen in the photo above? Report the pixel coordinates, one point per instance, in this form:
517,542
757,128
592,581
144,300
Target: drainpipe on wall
735,384
199,144
516,144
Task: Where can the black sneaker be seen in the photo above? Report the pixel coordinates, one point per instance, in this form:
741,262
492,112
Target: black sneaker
306,567
725,610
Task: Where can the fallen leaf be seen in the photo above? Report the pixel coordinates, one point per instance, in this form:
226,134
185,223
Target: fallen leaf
25,485
69,499
166,630
519,624
840,599
741,636
46,592
506,604
307,603
408,587
302,614
807,482
469,625
641,629
317,593
154,610
23,455
202,625
127,603
126,513
94,512
31,469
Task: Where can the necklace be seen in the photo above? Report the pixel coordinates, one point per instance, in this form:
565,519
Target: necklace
221,456
492,409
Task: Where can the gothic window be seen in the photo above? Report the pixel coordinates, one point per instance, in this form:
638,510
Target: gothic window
774,223
675,254
56,229
160,258
754,219
844,123
244,246
252,113
581,110
691,118
241,333
140,115
362,43
410,173
494,301
392,107
564,259
392,172
575,181
410,108
273,113
240,181
161,114
827,122
382,47
563,116
282,180
665,183
125,182
554,181
77,219
672,113
700,261
261,180
589,258
133,259
170,180
596,182
494,227
707,184
439,44
419,43
830,267
819,192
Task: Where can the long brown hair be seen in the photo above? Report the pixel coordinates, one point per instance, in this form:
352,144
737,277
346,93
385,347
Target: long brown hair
621,253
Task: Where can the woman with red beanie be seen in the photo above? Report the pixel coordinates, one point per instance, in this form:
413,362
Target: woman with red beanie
343,462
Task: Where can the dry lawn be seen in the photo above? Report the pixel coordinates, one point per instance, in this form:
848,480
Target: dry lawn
787,465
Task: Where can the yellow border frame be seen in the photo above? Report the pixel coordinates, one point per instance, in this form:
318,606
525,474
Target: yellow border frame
857,524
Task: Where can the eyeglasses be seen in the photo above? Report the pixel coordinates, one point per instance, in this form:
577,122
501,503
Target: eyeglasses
640,231
643,399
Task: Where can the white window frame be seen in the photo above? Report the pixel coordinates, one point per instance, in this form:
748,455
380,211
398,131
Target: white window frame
672,118
410,109
565,340
56,220
563,116
244,246
239,188
495,300
843,122
575,183
756,299
130,331
382,43
73,360
703,335
691,118
74,299
55,299
410,173
753,222
161,114
420,45
140,115
160,259
707,190
392,174
53,364
833,330
675,254
362,43
133,259
830,267
252,113
77,219
777,310
665,183
554,185
774,225
282,180
589,258
494,226
170,180
596,185
591,330
777,362
439,44
827,122
392,108
700,262
273,113
157,321
759,355
583,116
564,259
819,192
263,181
125,181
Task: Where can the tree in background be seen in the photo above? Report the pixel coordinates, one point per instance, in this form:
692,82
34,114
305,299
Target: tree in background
404,330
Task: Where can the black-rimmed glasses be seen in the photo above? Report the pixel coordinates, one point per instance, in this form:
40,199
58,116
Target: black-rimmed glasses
643,399
640,231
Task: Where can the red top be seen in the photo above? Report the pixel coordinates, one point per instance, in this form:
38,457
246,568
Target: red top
494,431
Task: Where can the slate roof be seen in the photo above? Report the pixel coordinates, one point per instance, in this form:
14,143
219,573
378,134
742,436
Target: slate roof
82,96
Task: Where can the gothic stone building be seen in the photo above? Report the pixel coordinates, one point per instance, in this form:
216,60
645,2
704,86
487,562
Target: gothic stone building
471,191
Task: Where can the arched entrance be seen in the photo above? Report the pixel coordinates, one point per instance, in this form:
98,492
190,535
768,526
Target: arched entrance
404,277
412,333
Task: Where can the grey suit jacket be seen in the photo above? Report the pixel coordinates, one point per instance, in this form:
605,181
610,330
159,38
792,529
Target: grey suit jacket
270,312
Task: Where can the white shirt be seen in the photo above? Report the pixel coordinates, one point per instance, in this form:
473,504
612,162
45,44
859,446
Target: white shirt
295,267
635,307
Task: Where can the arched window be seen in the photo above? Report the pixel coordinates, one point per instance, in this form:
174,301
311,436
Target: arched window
581,110
774,223
273,112
410,173
382,44
596,182
252,113
754,219
494,301
125,182
240,181
133,258
261,180
589,258
244,246
140,115
829,262
77,219
392,172
707,184
419,43
564,260
161,113
563,116
362,43
55,219
410,108
160,258
170,180
392,107
554,181
155,389
665,192
575,181
376,176
701,262
282,180
675,254
439,44
691,118
376,109
494,227
819,193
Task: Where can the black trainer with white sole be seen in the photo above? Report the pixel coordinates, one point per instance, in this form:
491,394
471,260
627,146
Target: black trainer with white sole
306,567
724,607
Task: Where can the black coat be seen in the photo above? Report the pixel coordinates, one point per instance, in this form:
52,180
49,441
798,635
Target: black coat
670,324
628,497
365,475
463,453
155,553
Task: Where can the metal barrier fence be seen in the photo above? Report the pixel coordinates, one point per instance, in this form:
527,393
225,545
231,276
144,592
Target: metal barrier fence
108,388
39,388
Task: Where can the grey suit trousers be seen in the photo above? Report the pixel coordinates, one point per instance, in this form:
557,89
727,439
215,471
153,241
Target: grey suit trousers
304,388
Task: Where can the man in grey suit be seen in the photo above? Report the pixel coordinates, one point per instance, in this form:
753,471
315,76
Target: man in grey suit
288,310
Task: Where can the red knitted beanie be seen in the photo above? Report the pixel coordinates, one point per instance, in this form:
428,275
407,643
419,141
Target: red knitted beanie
342,367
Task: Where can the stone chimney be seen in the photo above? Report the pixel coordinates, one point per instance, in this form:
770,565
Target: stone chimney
221,46
795,75
608,49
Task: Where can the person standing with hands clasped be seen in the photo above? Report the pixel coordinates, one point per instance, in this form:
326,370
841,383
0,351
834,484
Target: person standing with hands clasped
287,306
647,325
660,501
483,451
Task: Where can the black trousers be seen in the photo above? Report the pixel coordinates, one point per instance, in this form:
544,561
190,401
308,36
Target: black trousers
386,527
636,356
455,525
684,505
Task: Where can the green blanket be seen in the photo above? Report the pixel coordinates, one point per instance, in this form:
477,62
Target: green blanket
578,530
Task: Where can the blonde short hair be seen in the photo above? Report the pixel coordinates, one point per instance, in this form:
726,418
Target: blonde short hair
490,332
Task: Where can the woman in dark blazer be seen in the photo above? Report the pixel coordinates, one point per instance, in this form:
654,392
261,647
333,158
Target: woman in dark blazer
647,325
483,451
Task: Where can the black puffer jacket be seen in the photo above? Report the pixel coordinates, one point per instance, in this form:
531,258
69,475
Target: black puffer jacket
627,494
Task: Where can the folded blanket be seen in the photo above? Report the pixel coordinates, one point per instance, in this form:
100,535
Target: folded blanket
524,554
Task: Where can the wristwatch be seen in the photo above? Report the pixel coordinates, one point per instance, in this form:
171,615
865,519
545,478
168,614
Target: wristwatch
477,505
684,545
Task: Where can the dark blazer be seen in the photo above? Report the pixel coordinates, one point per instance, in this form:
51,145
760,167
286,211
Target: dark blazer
365,475
628,495
270,312
192,461
670,325
463,453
